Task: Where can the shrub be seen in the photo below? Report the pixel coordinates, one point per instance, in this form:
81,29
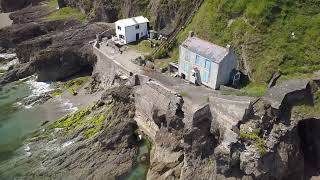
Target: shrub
162,53
67,13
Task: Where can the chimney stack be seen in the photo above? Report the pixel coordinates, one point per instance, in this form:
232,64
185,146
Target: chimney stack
191,34
228,46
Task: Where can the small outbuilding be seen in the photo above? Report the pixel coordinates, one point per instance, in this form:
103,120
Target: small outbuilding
202,62
131,29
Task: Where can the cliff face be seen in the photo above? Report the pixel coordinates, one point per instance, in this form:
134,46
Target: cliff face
53,49
164,15
93,143
13,5
228,137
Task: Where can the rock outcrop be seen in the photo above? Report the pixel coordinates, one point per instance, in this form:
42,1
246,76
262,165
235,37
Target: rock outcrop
165,16
13,5
92,143
261,141
55,50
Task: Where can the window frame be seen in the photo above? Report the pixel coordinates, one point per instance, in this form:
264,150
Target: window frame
204,77
197,61
207,62
186,64
187,55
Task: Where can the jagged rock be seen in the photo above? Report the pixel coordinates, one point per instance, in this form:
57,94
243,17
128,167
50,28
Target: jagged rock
12,5
17,73
165,16
288,92
59,49
71,155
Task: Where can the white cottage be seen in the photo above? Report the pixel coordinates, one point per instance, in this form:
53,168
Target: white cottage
205,63
131,29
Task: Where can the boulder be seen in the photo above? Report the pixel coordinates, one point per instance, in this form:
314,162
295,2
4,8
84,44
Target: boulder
13,5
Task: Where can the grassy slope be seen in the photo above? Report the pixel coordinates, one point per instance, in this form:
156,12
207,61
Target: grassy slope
64,13
261,31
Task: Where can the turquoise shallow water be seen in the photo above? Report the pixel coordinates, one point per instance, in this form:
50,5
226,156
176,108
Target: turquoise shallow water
18,121
14,120
139,172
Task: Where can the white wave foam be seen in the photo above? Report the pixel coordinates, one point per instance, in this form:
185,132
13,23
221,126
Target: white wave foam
39,88
68,143
28,106
7,65
27,148
7,56
66,104
70,106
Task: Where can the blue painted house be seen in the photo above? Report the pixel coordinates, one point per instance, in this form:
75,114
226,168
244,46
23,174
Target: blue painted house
202,62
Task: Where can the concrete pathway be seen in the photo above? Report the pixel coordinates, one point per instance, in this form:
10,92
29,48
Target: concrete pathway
5,20
123,59
194,96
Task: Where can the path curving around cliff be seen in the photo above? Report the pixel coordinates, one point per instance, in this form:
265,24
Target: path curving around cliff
5,20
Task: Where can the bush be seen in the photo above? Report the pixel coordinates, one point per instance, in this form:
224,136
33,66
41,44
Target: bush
148,58
67,13
254,136
162,53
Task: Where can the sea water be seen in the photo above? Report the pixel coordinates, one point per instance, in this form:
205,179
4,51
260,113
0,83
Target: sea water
18,121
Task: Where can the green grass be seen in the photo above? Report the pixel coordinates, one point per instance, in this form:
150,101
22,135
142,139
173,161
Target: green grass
184,94
81,118
73,85
56,93
262,31
162,64
71,121
67,13
143,46
90,132
252,90
53,4
308,111
254,136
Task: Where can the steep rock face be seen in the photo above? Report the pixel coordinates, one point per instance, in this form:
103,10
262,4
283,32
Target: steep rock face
54,49
13,5
164,15
265,143
100,142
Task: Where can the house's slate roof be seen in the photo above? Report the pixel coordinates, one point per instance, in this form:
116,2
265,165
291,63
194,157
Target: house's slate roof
206,49
133,21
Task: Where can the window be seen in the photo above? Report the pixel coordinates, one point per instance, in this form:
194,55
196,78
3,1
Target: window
207,64
205,76
197,62
119,28
187,55
186,67
121,36
141,33
137,26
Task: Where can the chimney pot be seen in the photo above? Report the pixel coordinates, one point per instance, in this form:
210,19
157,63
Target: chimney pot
191,34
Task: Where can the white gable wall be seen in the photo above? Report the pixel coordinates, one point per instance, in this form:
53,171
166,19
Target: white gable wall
226,66
120,32
129,32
